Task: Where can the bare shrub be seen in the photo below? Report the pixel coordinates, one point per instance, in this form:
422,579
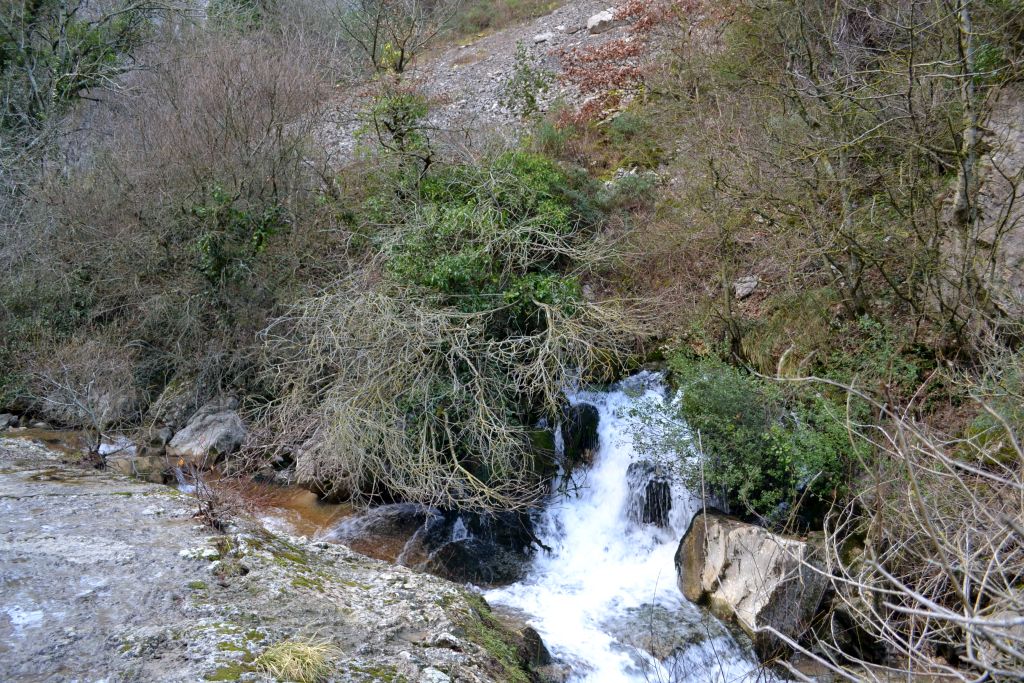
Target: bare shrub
401,396
85,383
926,559
200,204
392,33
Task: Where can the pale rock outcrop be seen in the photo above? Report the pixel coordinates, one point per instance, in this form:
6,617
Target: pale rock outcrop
747,574
603,21
115,579
990,253
214,431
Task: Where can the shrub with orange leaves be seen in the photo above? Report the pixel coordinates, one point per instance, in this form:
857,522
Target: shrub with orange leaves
612,71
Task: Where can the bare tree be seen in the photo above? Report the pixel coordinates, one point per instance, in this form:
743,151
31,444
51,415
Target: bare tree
86,383
391,33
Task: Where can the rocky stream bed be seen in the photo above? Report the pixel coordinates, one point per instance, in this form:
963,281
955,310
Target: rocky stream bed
106,578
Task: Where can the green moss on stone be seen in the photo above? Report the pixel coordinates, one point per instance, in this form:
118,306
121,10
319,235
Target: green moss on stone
483,629
228,672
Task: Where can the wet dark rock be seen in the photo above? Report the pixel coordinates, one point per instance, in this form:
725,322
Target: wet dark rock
383,531
579,433
462,547
650,494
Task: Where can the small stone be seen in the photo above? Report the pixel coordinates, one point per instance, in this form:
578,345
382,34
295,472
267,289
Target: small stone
204,553
448,641
543,37
745,286
432,675
603,21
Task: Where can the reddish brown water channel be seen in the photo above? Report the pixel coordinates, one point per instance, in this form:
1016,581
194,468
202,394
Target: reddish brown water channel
289,508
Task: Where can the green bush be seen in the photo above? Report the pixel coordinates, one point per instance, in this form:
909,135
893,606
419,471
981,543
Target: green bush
758,450
527,84
424,375
497,233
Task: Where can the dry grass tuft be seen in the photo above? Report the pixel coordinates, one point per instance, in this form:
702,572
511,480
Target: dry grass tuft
305,661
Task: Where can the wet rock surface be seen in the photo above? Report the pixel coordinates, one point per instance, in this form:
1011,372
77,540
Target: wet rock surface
106,578
651,494
464,547
579,434
659,631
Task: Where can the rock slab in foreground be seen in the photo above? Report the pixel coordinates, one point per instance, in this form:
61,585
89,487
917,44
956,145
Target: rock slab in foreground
107,578
747,574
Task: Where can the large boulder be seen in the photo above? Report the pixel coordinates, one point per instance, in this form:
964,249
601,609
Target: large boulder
215,430
603,21
752,576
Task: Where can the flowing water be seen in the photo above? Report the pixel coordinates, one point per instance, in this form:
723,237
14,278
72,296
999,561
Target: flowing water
604,598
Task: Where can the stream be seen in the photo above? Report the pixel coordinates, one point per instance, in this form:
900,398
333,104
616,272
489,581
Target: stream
604,598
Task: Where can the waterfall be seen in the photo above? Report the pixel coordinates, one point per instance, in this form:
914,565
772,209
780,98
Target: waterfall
604,598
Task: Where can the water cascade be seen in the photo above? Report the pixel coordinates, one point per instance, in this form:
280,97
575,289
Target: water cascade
605,598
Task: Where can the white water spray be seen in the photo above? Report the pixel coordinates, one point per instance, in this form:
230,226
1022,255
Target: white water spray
605,597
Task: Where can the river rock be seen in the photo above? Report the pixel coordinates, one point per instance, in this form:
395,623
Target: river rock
462,547
745,573
329,486
603,21
580,437
660,632
154,468
7,420
650,499
214,431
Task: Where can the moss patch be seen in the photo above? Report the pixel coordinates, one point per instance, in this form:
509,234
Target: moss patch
484,630
228,672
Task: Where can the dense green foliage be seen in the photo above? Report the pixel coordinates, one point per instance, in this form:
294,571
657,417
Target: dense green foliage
426,371
494,235
758,449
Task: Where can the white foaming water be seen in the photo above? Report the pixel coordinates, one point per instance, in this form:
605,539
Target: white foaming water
587,596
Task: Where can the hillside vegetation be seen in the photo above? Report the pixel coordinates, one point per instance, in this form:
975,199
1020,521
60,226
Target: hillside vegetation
807,213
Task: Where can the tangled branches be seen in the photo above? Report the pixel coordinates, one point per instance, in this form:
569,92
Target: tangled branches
927,560
393,395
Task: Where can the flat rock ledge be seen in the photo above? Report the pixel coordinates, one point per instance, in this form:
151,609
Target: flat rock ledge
108,578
